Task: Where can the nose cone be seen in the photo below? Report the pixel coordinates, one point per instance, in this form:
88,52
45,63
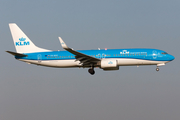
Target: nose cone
171,57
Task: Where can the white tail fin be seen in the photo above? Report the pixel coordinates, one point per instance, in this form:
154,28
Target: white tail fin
21,42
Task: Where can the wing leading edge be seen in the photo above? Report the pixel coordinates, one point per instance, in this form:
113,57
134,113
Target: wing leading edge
83,58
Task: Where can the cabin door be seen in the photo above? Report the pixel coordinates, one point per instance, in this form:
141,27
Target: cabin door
39,57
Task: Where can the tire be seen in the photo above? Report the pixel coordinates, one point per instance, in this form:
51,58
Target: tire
157,69
91,71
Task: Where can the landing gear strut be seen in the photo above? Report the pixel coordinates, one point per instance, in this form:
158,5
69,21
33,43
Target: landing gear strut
157,69
91,70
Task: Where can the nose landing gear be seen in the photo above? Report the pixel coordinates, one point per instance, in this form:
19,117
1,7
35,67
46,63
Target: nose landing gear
157,69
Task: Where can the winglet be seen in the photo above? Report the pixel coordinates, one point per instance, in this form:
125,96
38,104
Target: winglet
63,44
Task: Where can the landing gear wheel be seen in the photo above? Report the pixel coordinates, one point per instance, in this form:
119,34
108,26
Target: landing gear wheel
91,71
157,69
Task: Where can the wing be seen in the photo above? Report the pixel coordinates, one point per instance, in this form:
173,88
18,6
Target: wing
83,58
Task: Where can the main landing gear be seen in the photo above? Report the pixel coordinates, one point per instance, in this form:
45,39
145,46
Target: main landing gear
91,70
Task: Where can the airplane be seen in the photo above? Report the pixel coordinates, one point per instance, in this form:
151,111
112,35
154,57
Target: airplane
106,59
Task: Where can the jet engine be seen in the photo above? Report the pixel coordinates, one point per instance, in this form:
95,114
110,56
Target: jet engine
109,64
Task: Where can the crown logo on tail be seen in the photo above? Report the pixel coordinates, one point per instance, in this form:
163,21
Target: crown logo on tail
22,39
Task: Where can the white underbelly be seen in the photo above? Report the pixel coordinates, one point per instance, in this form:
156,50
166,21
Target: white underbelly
129,62
54,63
73,63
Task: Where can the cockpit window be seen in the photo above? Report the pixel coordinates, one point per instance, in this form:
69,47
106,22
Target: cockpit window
164,53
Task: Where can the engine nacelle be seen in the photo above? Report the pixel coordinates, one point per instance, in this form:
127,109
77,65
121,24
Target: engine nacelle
109,64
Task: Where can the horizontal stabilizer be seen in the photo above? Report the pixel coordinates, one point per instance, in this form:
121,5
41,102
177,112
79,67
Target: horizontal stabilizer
17,54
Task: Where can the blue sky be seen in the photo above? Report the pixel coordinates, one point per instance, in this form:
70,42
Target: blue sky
36,92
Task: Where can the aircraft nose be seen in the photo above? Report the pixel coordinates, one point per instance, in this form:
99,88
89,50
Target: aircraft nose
171,57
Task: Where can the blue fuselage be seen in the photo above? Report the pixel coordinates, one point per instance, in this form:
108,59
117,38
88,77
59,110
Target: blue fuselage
143,54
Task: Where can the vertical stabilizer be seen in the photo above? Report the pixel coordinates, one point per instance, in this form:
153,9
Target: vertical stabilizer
21,42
